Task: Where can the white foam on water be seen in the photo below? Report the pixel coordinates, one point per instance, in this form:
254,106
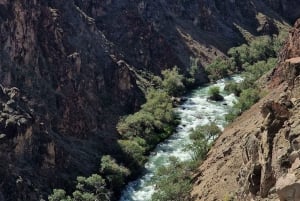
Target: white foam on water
196,111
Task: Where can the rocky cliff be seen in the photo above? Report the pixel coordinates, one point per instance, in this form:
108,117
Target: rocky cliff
69,69
257,156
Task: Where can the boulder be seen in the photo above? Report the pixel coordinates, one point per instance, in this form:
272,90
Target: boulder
288,188
216,97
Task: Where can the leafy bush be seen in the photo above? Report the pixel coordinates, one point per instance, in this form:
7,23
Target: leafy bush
135,150
232,115
202,137
115,174
59,195
194,73
173,82
256,70
220,68
260,49
153,122
233,87
214,93
247,98
87,189
173,182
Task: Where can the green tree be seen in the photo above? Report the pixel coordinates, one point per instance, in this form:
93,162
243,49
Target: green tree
178,175
153,121
135,151
115,173
59,195
194,73
220,68
91,188
87,189
173,82
160,105
233,87
202,137
247,98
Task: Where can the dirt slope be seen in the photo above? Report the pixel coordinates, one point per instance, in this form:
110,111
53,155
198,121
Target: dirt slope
257,156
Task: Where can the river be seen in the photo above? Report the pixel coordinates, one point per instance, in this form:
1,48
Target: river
195,111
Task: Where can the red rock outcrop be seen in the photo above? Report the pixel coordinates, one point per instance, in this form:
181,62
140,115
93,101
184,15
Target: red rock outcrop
264,161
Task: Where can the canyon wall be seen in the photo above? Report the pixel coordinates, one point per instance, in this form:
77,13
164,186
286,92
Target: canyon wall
69,70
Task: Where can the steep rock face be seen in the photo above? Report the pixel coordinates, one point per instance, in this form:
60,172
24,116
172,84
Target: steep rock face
264,161
287,8
74,85
158,34
75,65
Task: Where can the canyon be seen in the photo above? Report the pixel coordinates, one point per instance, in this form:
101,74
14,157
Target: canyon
70,69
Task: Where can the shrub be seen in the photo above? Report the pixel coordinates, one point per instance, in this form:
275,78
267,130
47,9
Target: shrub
220,68
247,98
87,189
135,151
202,137
153,121
279,40
232,87
173,82
178,175
59,195
115,174
233,113
260,49
214,93
91,188
139,124
194,73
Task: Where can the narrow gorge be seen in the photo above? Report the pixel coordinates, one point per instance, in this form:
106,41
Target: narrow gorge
70,70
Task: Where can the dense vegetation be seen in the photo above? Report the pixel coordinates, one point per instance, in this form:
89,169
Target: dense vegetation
142,131
243,57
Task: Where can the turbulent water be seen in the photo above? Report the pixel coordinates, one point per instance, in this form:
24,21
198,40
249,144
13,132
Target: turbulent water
195,111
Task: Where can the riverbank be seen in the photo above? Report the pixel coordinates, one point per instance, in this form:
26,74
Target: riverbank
195,111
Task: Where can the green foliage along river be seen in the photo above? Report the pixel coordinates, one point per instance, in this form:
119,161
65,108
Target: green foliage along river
197,110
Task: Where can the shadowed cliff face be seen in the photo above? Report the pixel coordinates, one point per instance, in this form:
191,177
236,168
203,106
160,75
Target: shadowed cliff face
72,82
287,8
75,64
